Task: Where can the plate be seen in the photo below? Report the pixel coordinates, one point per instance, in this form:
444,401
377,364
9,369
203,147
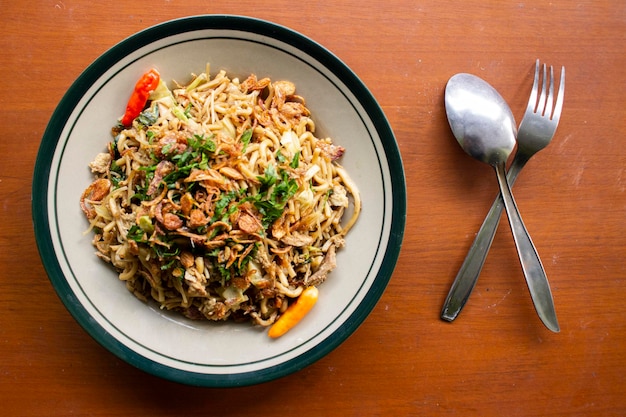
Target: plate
164,343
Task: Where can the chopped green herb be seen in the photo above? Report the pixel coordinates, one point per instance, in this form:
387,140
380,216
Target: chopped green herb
295,161
137,234
166,148
202,143
117,174
245,139
268,178
149,116
113,147
220,212
179,113
272,207
187,112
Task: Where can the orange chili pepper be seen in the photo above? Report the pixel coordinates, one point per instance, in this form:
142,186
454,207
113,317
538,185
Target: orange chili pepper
138,99
294,312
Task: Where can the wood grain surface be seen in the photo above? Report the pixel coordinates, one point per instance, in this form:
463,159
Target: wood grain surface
496,359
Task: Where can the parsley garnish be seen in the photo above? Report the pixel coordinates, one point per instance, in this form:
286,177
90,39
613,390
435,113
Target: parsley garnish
149,116
245,139
137,234
295,161
224,201
187,112
117,175
202,144
268,178
282,189
164,250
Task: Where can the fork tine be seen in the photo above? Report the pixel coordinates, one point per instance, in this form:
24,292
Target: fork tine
550,100
532,100
541,106
559,98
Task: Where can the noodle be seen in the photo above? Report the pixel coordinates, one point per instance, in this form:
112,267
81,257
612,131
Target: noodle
219,201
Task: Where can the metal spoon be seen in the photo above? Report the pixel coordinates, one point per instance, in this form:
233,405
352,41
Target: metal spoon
484,126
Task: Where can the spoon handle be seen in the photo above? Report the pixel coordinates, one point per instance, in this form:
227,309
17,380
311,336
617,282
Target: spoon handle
529,258
467,276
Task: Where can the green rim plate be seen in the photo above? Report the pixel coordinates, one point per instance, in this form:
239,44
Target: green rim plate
61,162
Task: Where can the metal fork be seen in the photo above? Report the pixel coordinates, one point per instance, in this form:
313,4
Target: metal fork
535,133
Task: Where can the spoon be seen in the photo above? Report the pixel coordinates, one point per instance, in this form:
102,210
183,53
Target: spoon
484,126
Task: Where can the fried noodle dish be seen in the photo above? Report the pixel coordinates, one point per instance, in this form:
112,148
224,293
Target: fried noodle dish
218,201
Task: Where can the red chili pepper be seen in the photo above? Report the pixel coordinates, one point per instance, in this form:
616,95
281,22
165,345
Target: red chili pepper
146,85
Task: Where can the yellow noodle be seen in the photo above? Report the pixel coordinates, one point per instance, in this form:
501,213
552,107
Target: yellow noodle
209,242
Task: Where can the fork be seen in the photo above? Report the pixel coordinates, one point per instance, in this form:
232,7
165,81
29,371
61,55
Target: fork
535,133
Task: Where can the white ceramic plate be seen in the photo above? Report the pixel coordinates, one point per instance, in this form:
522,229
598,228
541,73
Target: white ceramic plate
167,344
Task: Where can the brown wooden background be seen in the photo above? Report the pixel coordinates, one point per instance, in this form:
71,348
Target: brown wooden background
496,359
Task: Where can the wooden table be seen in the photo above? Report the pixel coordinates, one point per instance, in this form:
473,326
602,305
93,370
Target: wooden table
496,359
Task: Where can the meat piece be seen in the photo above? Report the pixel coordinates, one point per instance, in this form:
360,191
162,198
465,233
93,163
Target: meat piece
101,164
282,89
330,151
328,264
172,144
196,282
339,197
162,169
297,239
214,310
294,110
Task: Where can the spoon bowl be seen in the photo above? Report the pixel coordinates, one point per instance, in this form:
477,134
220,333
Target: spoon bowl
476,111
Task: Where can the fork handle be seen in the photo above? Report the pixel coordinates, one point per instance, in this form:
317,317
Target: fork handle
467,276
529,258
